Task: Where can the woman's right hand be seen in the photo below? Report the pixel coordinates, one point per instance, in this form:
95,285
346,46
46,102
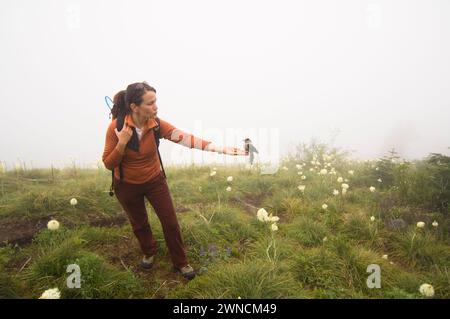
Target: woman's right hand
124,135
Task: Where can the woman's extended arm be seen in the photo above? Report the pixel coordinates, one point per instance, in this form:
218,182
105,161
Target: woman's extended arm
170,132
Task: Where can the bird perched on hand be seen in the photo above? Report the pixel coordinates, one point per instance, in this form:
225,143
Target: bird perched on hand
250,149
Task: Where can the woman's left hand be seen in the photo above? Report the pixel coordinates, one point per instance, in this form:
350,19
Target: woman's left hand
233,151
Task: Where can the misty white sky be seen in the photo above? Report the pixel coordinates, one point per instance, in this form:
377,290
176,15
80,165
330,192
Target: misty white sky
361,75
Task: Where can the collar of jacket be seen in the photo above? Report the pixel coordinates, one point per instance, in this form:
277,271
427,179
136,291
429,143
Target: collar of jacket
151,123
133,144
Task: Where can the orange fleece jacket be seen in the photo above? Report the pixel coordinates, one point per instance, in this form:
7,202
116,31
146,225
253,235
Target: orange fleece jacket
140,167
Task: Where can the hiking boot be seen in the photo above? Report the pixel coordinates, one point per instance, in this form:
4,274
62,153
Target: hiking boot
187,271
147,262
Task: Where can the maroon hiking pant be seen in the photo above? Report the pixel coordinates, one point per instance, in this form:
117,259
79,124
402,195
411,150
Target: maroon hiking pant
132,199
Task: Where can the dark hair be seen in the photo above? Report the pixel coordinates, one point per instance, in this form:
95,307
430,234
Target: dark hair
133,94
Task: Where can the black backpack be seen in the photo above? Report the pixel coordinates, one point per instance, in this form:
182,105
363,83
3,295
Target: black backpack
156,133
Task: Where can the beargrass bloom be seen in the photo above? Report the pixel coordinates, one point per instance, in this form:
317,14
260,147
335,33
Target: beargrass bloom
384,256
323,171
301,187
335,192
435,224
372,189
274,227
426,290
420,225
350,172
73,201
53,224
262,215
379,180
229,189
213,173
324,206
372,218
51,294
344,186
340,180
273,219
229,178
303,177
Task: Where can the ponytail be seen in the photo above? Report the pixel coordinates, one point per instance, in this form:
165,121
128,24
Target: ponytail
119,108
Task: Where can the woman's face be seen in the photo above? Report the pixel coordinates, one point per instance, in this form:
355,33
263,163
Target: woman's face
147,109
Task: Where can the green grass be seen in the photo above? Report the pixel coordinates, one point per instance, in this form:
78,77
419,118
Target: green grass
235,254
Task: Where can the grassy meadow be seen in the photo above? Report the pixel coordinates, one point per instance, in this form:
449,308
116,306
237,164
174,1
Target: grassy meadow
319,246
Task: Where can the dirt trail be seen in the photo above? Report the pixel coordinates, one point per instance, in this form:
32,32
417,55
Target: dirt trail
22,231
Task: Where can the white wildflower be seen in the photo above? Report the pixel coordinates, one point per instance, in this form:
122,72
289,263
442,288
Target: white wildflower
323,171
303,177
298,166
53,224
73,201
379,180
344,186
344,191
324,206
420,224
335,192
51,294
372,189
325,239
340,180
372,218
427,290
229,189
384,256
311,169
262,215
274,227
350,172
302,187
273,219
435,224
229,178
213,173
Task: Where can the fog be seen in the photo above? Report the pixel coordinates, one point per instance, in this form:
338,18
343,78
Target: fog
363,76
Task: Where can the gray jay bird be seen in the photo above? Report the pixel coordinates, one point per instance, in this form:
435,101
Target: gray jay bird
249,148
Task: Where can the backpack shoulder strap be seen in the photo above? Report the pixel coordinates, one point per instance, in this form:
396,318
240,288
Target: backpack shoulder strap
157,132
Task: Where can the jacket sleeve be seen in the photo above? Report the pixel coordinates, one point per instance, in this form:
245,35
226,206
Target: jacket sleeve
111,156
173,134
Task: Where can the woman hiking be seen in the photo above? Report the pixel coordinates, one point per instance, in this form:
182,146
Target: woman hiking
131,153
